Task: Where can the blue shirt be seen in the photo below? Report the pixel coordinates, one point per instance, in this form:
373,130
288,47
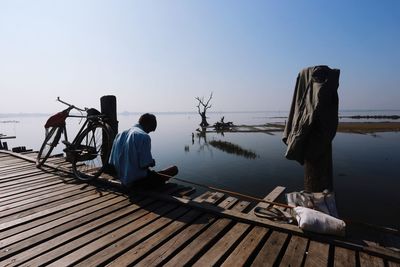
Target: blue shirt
131,154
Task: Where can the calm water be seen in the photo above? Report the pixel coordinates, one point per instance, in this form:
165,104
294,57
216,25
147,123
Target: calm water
366,168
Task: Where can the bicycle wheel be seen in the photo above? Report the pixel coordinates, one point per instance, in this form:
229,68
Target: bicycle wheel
91,151
49,143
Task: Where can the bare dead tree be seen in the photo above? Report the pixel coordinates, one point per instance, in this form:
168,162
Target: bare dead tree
204,105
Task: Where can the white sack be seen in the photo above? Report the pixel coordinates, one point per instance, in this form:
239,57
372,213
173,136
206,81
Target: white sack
318,222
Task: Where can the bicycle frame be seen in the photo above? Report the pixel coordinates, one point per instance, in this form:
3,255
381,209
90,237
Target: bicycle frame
86,151
88,118
58,120
64,131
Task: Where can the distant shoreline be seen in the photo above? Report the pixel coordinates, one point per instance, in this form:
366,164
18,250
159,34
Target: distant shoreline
364,127
368,127
343,127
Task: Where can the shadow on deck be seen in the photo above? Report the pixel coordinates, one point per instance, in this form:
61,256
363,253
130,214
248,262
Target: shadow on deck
49,218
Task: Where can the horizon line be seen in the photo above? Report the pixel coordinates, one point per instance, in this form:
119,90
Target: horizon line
126,113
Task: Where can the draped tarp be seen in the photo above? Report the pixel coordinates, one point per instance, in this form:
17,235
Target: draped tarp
313,117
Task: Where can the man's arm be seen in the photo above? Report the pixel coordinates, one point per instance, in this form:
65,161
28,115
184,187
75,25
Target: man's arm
145,158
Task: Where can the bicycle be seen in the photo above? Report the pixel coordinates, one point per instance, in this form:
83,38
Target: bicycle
90,149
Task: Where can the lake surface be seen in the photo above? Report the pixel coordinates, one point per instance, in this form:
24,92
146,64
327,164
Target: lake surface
366,167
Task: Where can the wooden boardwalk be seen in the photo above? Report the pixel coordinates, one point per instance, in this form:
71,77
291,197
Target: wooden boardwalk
49,218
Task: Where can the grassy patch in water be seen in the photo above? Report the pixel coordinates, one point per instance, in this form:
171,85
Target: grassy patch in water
233,149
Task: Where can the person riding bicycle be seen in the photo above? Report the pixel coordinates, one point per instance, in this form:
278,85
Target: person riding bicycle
132,159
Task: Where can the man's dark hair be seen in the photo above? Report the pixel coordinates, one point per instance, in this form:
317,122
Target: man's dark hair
148,122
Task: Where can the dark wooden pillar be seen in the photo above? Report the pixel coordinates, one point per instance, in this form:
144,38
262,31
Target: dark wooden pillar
318,173
108,104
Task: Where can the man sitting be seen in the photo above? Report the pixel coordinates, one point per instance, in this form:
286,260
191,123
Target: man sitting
132,159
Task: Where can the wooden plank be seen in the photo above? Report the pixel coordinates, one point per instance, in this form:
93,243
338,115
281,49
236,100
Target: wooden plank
12,167
41,221
34,193
22,176
210,197
203,196
201,242
18,192
41,185
9,161
344,257
295,252
233,214
152,243
31,153
19,156
231,202
270,250
241,206
185,192
27,185
214,198
217,251
23,181
110,238
187,253
243,251
15,167
272,196
48,165
23,173
133,239
175,243
367,260
56,159
138,251
111,199
35,200
49,205
393,264
18,167
84,234
253,219
179,241
9,174
41,233
317,254
44,203
45,212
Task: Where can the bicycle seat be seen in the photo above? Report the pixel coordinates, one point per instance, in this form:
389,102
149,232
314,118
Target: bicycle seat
93,112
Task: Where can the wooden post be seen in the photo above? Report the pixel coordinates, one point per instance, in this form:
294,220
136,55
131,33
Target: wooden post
318,173
318,170
108,104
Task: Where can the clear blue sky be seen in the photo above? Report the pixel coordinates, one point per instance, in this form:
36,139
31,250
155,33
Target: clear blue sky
159,55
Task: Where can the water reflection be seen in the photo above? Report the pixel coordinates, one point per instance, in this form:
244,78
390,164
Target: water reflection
225,146
202,143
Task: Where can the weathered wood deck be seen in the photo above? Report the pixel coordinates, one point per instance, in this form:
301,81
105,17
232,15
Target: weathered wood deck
49,218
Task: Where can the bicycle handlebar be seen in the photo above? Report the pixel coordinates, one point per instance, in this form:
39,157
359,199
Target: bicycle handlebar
71,106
